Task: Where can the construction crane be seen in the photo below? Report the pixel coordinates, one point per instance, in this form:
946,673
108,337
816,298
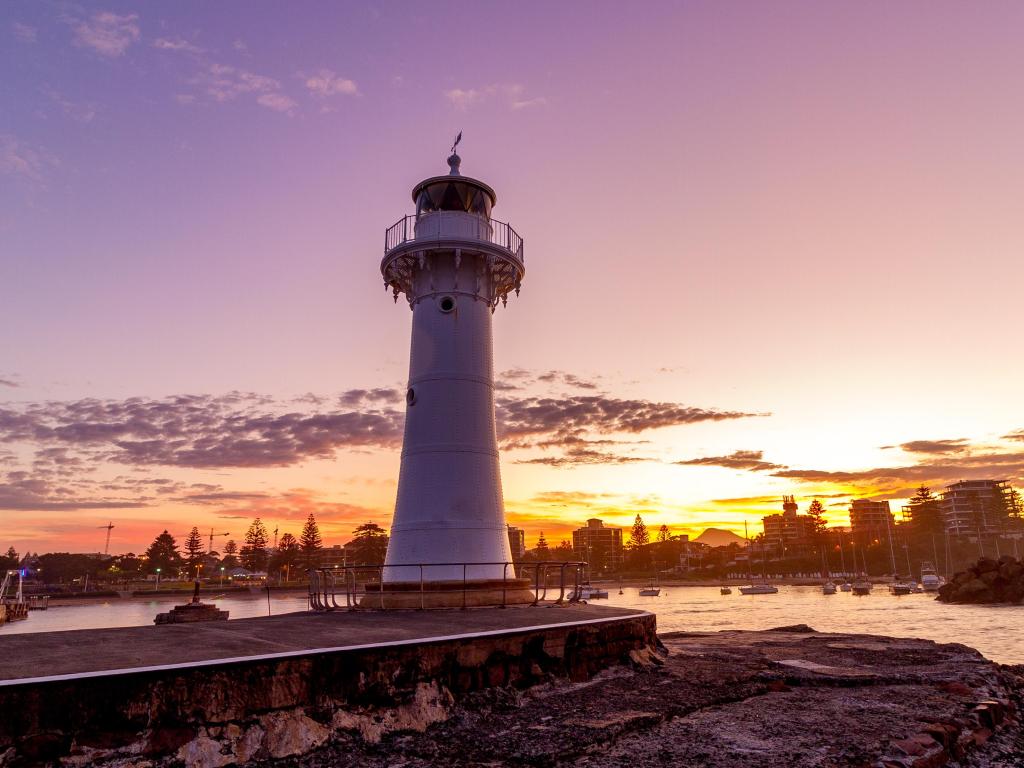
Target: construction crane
106,547
212,534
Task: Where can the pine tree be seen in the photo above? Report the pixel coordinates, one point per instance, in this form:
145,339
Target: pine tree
230,559
163,554
542,547
254,553
926,513
287,555
194,550
369,544
817,514
638,536
310,541
663,533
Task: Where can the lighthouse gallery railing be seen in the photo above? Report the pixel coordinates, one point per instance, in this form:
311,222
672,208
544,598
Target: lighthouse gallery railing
489,230
359,586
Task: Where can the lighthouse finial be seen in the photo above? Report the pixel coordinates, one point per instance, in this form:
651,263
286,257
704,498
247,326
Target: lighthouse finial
454,160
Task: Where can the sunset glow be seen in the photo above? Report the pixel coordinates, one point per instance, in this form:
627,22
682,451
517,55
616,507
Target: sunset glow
770,253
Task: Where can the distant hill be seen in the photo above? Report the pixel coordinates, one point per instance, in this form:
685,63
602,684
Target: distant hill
719,537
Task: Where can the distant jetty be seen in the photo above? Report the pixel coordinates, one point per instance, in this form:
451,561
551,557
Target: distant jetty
987,581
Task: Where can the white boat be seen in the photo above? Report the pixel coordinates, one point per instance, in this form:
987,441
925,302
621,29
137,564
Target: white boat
588,592
14,606
899,587
764,588
861,587
828,588
845,586
930,580
651,590
759,589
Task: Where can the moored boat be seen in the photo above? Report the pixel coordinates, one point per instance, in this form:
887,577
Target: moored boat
725,590
759,589
651,590
828,588
930,580
861,587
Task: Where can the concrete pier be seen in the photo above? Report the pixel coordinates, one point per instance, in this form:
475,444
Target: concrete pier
224,693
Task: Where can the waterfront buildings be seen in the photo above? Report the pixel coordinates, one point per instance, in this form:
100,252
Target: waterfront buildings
788,530
972,506
599,545
517,542
871,520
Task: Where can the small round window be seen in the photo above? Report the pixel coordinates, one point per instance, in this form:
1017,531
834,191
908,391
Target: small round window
447,303
410,396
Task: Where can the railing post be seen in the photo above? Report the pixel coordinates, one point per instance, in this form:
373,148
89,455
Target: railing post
380,584
504,583
464,585
422,606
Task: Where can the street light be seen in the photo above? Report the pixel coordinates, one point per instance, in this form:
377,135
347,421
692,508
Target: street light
157,579
222,576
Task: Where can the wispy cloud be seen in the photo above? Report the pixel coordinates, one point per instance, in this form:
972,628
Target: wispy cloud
24,32
326,83
83,112
19,159
956,445
463,98
177,45
106,33
8,382
898,481
511,95
224,82
276,101
752,461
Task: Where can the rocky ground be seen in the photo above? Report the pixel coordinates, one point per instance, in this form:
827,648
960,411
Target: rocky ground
987,581
790,697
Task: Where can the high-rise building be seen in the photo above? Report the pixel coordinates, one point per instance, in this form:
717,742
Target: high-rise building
599,545
871,520
517,542
970,506
788,530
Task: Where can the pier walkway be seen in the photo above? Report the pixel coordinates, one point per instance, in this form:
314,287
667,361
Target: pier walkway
38,657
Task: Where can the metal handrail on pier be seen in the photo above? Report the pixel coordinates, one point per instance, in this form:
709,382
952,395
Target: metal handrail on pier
348,587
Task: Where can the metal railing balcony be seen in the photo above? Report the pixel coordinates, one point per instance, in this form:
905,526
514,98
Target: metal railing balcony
361,587
440,225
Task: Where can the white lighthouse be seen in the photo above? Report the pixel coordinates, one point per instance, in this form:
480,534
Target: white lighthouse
455,265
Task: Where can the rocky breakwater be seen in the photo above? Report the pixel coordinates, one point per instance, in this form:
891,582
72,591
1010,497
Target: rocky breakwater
791,697
987,581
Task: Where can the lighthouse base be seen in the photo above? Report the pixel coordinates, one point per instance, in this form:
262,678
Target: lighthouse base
448,594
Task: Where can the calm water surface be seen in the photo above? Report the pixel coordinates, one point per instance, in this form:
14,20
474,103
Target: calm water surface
996,631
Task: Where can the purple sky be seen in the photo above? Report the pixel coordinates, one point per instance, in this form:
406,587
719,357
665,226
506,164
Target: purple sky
804,210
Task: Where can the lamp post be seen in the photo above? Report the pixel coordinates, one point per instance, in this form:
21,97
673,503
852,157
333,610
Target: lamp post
157,579
222,576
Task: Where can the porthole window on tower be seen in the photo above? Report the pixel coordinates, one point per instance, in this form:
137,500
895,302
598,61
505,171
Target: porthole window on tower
410,396
447,303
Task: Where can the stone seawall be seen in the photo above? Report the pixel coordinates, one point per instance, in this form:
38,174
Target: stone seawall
215,713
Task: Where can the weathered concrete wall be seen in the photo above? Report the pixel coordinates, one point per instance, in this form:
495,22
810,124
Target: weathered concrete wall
236,712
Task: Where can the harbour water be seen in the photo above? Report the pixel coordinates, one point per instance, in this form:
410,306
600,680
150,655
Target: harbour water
993,630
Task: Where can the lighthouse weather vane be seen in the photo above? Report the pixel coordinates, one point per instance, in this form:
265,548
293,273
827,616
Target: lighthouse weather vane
457,140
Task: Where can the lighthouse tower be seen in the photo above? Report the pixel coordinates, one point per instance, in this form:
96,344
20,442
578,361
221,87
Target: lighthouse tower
454,264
